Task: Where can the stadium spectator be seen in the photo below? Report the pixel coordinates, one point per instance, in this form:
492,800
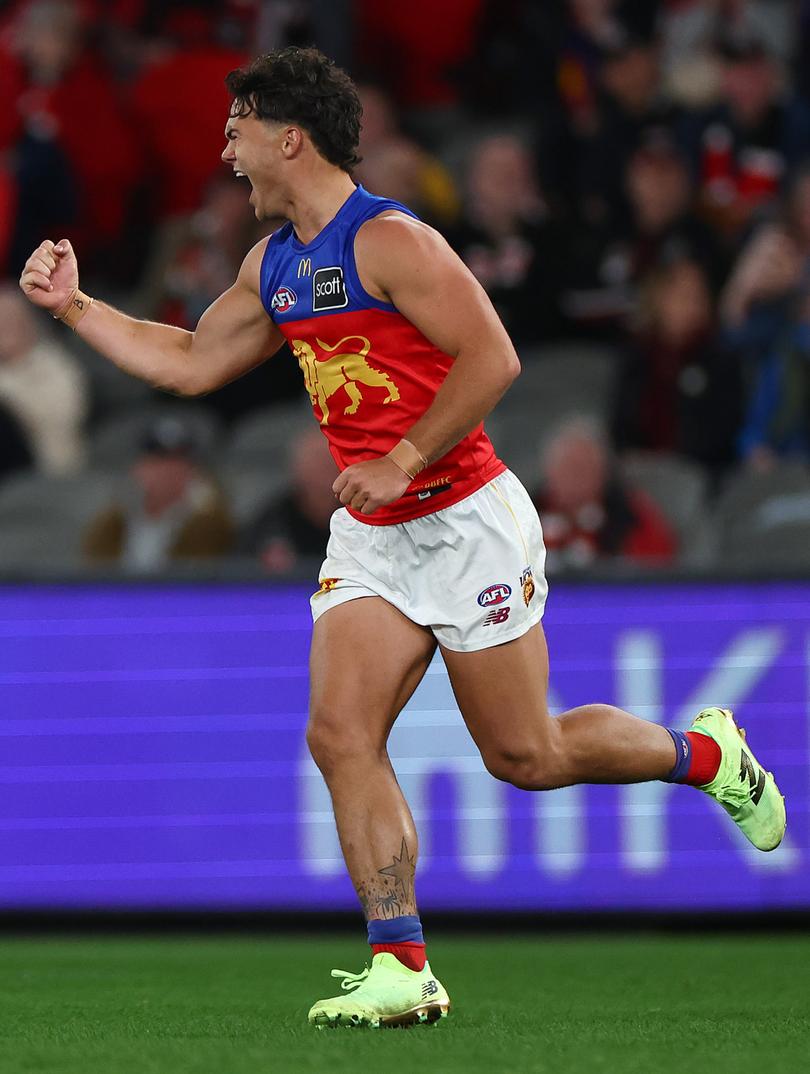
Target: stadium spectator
628,105
199,258
624,111
171,509
416,52
78,162
592,29
202,254
514,68
15,453
607,263
680,388
801,31
509,240
394,166
588,513
766,310
42,387
295,526
689,28
180,104
662,219
9,196
742,148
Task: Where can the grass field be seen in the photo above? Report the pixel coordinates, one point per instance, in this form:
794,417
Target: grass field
523,1004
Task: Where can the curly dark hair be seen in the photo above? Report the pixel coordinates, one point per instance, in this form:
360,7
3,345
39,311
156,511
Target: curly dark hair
302,85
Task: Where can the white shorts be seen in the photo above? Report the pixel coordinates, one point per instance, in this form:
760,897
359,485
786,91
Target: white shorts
473,573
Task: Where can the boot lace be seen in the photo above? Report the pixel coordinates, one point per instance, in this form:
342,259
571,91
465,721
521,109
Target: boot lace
350,980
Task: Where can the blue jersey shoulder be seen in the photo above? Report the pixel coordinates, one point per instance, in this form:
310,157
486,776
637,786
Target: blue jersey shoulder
304,280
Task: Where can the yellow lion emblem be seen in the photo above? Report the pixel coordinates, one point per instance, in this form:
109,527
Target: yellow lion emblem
324,376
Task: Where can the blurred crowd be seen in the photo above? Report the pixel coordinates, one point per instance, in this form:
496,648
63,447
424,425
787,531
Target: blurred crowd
628,179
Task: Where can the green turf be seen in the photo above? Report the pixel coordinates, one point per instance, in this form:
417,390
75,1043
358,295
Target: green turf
527,1004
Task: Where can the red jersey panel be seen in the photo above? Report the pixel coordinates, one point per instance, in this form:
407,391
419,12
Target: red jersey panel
370,373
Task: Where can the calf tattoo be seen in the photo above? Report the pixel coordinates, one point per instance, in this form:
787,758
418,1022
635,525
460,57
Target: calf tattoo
402,869
390,893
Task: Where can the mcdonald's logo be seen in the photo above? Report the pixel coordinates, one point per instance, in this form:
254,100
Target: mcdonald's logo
304,267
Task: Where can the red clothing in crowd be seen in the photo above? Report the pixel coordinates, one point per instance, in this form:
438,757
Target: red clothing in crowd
651,538
417,48
8,209
181,105
626,524
84,114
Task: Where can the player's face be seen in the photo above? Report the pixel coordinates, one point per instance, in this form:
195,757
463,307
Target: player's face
254,150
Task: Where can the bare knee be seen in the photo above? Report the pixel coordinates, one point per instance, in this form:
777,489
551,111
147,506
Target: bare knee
530,767
335,742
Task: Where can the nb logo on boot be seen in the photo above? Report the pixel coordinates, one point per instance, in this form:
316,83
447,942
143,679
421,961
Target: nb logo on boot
429,988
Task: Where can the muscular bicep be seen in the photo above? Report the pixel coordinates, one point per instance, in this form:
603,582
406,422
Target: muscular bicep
413,267
235,334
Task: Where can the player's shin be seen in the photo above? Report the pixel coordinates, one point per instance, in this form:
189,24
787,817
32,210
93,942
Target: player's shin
379,844
390,903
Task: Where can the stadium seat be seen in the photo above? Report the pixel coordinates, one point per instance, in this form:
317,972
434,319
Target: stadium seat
679,487
517,436
762,520
556,382
111,389
264,436
43,519
250,488
577,377
118,440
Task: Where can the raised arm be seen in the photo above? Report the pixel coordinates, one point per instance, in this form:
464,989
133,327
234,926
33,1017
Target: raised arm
233,335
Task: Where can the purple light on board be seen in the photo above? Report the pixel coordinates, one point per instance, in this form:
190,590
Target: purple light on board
152,755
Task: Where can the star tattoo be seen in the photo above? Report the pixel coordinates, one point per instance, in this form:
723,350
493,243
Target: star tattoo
402,869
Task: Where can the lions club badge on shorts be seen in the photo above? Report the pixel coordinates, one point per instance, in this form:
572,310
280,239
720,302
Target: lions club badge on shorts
527,585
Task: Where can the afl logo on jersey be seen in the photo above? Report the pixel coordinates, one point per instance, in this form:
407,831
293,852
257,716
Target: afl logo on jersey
283,300
494,594
329,289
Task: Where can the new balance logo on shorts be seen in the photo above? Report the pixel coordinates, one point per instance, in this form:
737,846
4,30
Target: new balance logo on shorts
497,615
429,988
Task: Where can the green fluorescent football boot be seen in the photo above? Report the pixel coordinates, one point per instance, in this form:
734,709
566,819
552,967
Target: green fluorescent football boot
745,790
388,994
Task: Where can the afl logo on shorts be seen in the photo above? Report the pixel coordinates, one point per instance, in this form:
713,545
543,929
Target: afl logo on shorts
329,289
283,300
494,594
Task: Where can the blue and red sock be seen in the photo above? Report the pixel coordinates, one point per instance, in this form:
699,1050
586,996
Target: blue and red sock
402,937
698,758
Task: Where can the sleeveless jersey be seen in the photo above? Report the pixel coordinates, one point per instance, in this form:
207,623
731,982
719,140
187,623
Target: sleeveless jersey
370,373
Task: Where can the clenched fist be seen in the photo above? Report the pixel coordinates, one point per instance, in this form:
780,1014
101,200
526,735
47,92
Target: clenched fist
50,278
365,486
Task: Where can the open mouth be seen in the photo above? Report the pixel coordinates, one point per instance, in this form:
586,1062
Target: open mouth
243,175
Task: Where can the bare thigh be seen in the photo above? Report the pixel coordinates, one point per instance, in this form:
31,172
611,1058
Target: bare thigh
365,662
502,695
